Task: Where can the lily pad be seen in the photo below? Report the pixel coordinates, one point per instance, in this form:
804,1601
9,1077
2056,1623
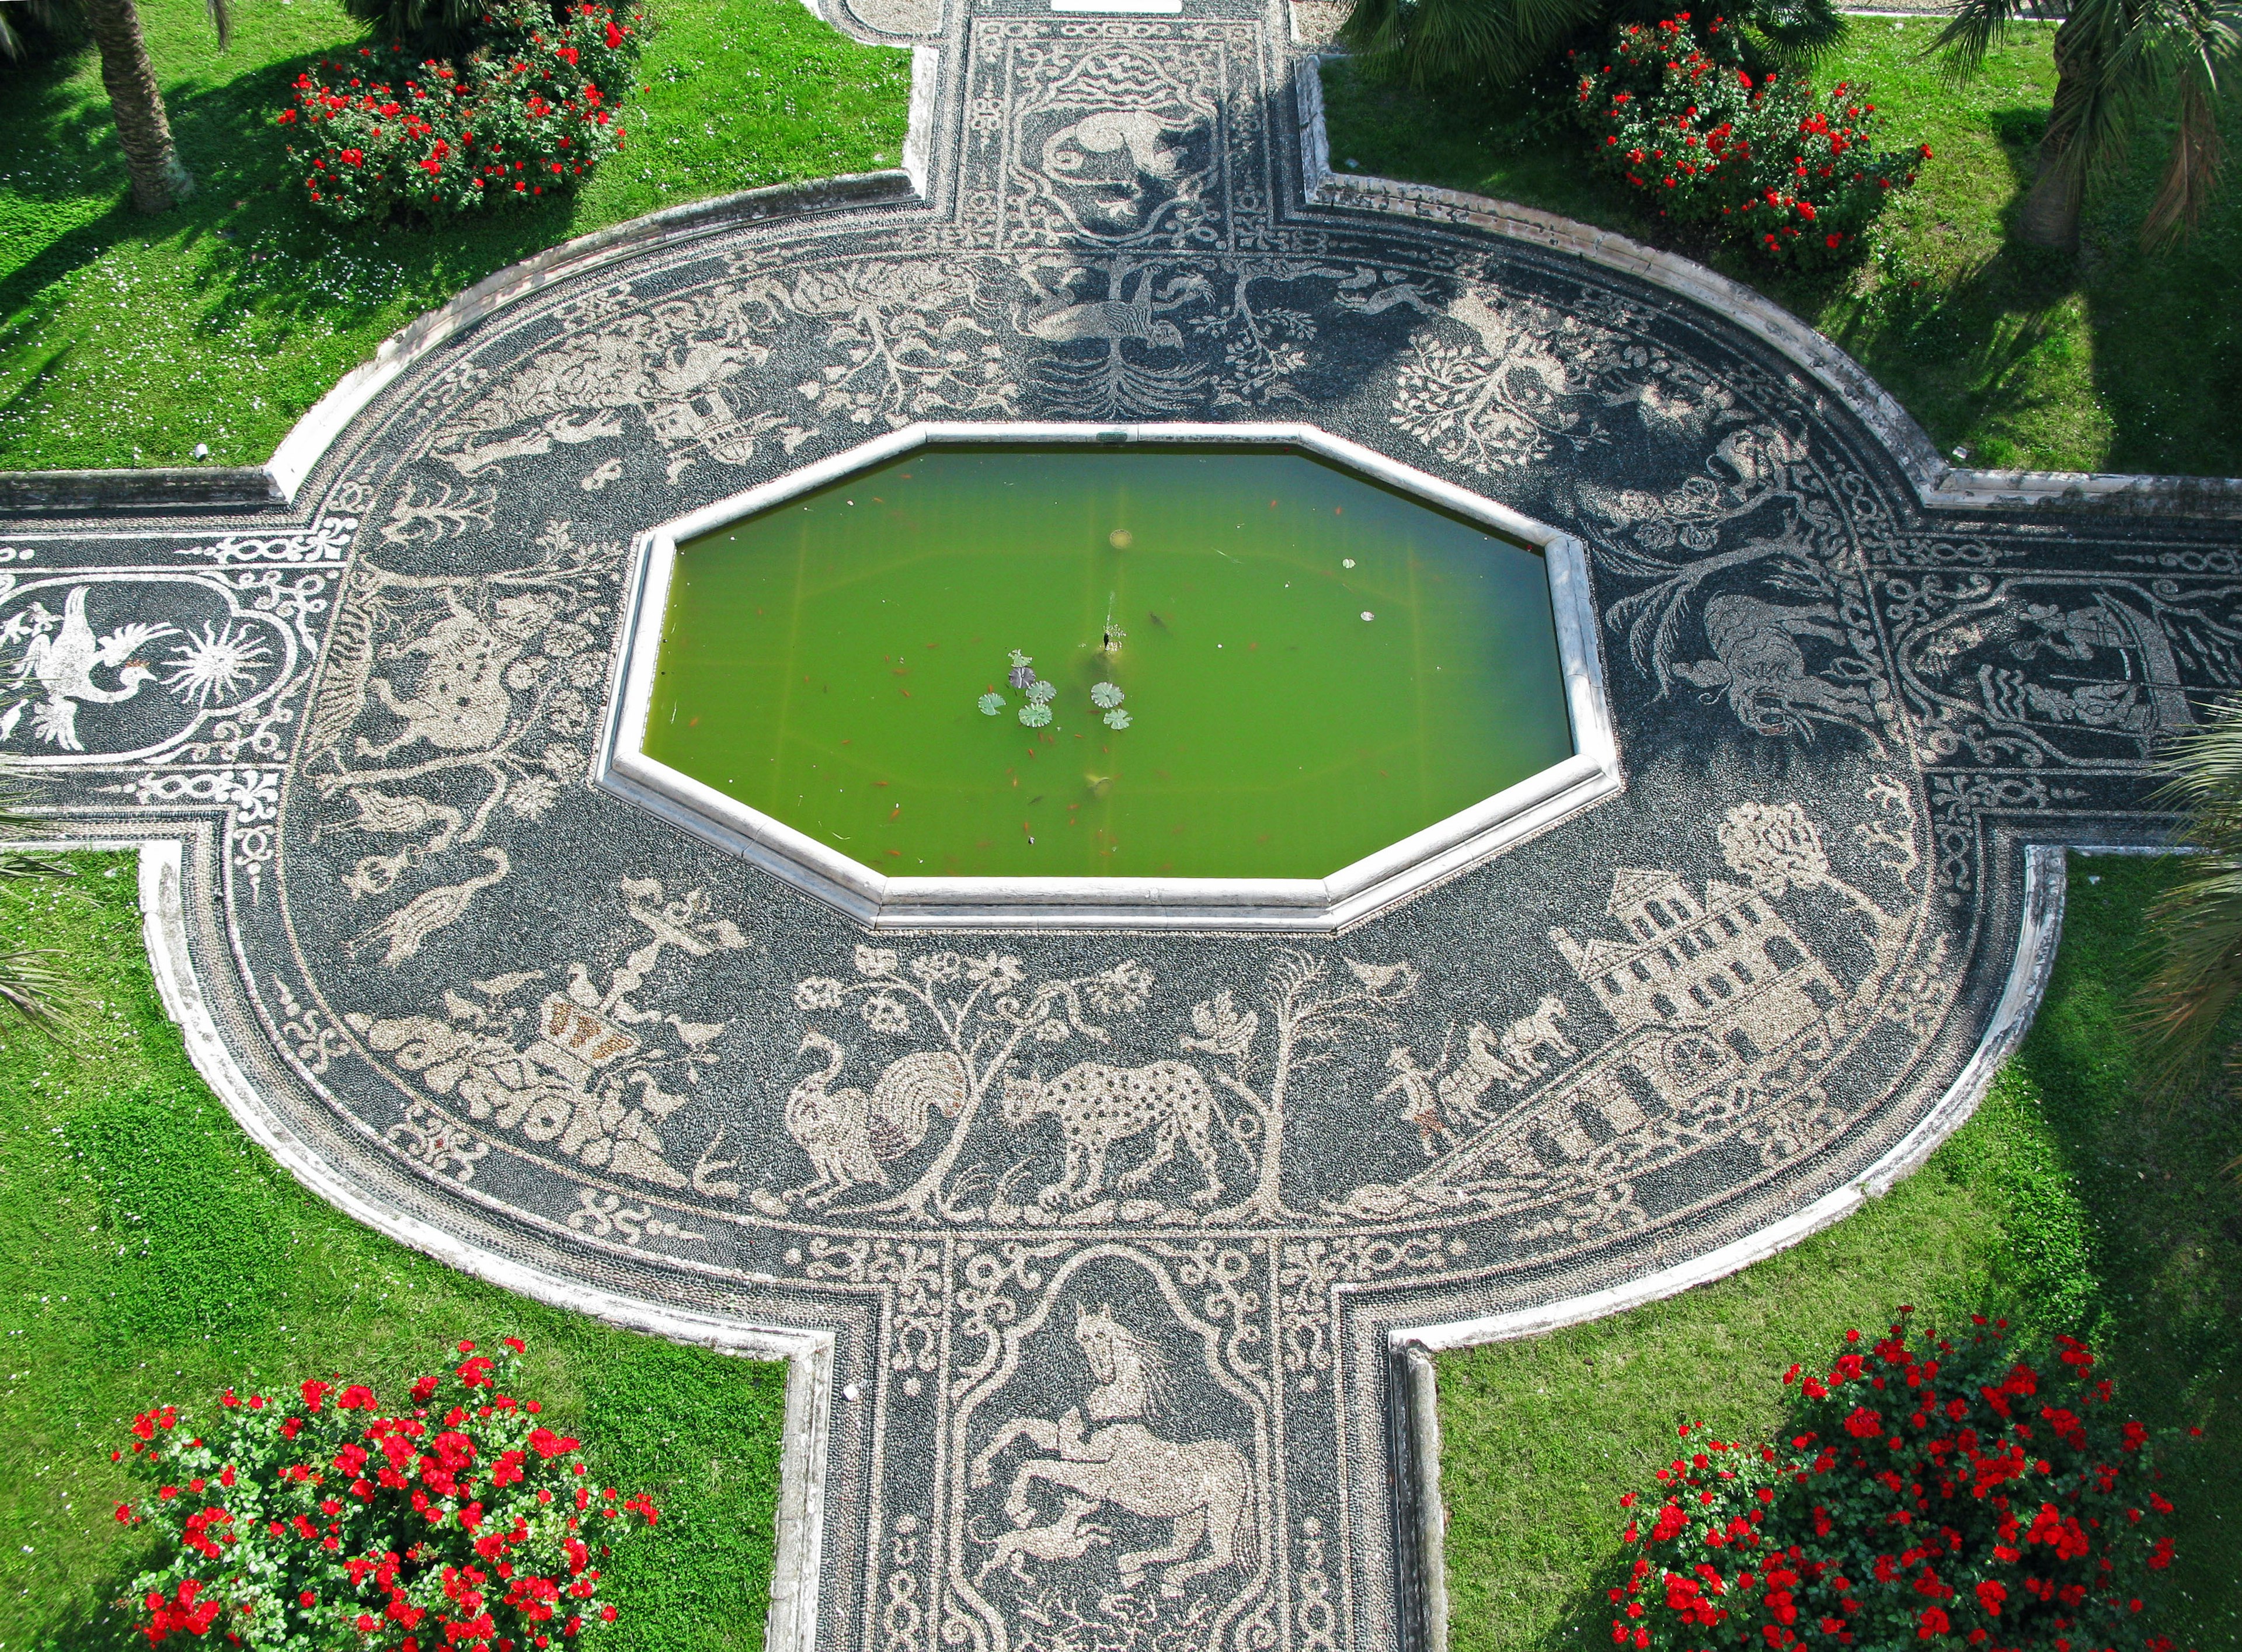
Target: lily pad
1105,695
991,704
1023,675
1116,718
1041,692
1035,714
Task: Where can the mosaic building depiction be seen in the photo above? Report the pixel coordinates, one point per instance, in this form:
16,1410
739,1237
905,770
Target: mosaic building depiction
1716,985
1100,1247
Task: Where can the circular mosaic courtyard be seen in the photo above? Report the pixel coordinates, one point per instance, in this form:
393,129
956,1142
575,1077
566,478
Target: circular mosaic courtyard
1098,1238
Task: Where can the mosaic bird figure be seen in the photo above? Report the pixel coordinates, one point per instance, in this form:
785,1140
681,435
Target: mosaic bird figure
64,664
850,1136
421,916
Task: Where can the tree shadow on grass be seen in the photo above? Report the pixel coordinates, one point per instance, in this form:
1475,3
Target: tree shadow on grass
258,258
90,1618
1965,347
67,134
2168,339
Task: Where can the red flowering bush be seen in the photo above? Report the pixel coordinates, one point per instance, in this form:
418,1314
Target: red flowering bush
529,111
462,1524
1764,159
1927,1492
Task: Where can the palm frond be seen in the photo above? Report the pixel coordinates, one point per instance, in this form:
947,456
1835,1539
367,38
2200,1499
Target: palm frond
1975,28
2197,981
2198,922
15,826
2191,42
2192,174
31,863
2104,79
1799,32
12,44
1432,41
2201,776
39,994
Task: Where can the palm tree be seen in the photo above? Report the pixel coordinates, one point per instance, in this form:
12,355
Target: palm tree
1506,41
1430,41
2118,64
29,984
2200,920
160,180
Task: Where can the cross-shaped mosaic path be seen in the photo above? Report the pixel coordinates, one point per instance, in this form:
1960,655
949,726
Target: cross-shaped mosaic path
489,1008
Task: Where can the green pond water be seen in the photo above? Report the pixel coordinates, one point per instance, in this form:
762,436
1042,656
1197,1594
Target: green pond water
1312,667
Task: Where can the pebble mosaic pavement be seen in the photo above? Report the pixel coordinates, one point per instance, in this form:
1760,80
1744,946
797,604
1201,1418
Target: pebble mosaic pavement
1110,1355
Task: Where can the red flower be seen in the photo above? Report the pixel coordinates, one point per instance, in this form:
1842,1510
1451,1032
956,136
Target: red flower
1930,1624
183,1611
547,1444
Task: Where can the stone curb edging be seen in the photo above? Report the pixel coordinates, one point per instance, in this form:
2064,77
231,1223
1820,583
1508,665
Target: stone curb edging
1412,1396
1938,484
791,1625
276,482
1420,1517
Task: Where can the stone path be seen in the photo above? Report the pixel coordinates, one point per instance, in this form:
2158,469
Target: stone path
492,1010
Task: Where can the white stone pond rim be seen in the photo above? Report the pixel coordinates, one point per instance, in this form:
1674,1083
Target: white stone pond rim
621,767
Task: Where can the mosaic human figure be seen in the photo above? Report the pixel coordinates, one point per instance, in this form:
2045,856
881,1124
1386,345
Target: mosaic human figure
1421,1100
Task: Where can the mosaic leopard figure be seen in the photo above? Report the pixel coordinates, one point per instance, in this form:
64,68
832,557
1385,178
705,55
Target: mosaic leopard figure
1097,1106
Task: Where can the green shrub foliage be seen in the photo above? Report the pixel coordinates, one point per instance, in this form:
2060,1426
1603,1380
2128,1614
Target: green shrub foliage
1928,1491
1509,42
327,1520
529,112
430,27
1680,115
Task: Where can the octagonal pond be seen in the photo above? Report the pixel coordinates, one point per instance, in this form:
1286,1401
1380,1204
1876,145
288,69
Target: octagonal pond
982,661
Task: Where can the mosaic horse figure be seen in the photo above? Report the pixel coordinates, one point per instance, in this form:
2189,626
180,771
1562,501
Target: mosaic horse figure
1205,1488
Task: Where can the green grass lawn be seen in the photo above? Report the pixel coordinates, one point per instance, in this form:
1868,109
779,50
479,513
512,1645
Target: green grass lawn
2064,1202
150,1250
127,341
2117,360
